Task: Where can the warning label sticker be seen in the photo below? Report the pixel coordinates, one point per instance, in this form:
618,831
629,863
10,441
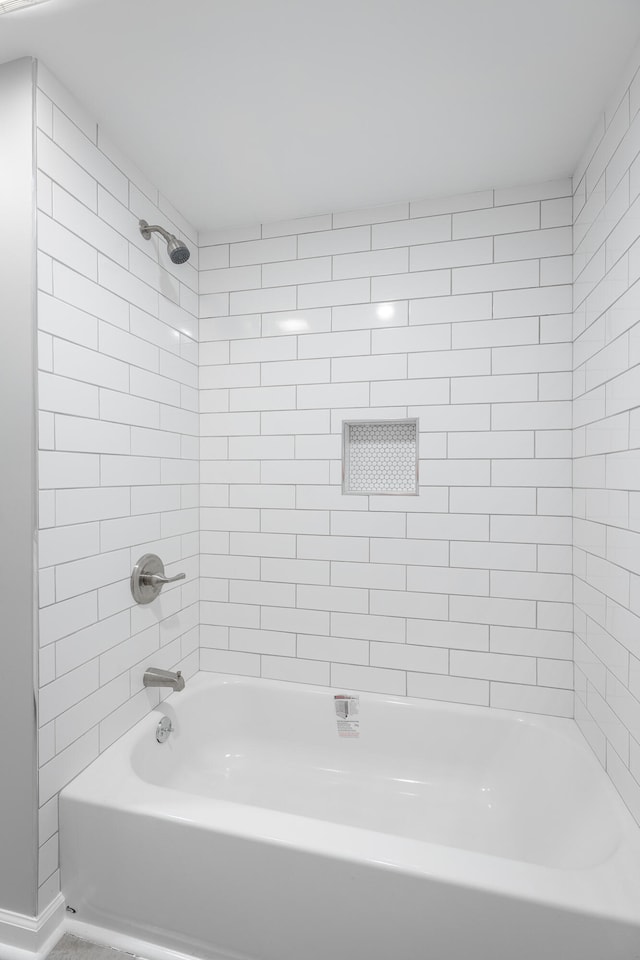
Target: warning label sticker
347,709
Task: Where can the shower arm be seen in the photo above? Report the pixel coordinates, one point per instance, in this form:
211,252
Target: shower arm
146,230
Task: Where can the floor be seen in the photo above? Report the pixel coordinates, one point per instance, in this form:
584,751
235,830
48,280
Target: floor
71,948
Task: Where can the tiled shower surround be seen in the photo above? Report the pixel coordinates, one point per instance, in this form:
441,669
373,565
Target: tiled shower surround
118,438
457,312
607,441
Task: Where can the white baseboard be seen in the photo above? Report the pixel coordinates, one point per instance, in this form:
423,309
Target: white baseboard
139,948
31,938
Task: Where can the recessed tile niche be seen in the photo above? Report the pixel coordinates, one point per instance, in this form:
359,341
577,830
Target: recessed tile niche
380,457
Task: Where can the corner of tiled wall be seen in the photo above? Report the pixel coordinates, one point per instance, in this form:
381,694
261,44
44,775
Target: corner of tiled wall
118,446
606,441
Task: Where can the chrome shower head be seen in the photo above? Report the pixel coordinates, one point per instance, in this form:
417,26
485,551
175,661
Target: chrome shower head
178,251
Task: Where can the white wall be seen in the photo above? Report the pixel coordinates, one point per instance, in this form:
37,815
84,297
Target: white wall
18,809
458,312
118,439
607,440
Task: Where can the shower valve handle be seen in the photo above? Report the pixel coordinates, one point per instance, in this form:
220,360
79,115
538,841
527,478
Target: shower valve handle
158,578
148,578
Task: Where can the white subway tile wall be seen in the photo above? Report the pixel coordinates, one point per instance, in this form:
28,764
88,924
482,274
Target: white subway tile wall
457,312
119,447
606,443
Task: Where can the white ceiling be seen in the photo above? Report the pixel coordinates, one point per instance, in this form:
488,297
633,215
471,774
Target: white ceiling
255,110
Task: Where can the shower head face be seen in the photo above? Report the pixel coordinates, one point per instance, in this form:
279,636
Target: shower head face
178,251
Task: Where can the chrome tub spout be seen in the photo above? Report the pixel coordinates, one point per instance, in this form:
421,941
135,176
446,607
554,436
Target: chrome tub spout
154,677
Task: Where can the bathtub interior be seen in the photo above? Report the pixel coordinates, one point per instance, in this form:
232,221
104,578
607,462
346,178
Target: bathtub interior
516,787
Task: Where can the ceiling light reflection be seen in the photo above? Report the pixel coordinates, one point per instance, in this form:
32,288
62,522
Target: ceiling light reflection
385,311
293,325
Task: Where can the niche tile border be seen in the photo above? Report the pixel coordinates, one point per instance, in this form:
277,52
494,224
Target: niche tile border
380,457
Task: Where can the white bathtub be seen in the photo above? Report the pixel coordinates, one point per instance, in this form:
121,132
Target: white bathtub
441,833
